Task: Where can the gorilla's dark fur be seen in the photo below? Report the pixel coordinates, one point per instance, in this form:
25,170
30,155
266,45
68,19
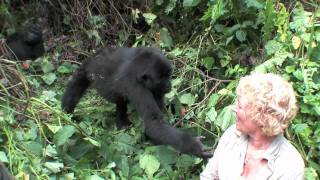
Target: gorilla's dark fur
4,173
25,44
140,76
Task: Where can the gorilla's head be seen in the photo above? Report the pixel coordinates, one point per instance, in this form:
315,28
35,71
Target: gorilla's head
156,73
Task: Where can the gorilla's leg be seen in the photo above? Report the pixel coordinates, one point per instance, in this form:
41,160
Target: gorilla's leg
122,117
74,91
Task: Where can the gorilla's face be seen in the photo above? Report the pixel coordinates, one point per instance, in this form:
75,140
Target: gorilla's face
157,76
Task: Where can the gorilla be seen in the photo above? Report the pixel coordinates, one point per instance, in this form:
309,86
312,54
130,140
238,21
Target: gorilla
140,76
4,173
24,44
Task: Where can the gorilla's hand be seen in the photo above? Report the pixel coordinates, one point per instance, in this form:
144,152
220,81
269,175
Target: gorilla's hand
201,149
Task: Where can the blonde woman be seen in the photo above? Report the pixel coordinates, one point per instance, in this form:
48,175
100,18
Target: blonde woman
255,148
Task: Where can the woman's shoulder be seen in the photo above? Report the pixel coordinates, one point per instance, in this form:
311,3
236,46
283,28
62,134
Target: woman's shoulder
288,152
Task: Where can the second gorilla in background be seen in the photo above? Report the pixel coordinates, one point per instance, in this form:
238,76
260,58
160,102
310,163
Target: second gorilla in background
140,76
24,44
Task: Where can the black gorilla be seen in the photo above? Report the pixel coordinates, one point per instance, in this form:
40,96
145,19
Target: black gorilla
140,76
4,173
25,44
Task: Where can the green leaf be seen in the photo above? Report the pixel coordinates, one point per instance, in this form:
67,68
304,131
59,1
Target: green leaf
296,42
92,141
208,62
290,69
269,65
272,47
49,78
149,164
50,151
55,167
241,35
66,68
254,3
226,117
213,100
218,10
33,147
159,2
68,176
123,143
53,128
94,177
185,161
310,173
94,34
165,38
298,74
63,135
187,99
3,157
171,5
270,15
48,96
190,3
300,20
149,17
46,66
211,115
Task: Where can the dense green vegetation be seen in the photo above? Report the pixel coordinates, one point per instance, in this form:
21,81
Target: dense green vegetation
212,43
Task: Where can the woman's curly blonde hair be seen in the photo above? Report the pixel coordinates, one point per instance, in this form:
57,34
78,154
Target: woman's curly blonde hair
272,101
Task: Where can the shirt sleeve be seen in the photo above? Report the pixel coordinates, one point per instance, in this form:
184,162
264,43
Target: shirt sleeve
294,174
210,172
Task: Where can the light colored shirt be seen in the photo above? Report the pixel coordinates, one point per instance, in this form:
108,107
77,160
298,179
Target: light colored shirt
283,161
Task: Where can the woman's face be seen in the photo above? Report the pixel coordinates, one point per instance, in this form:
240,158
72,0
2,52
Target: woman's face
243,120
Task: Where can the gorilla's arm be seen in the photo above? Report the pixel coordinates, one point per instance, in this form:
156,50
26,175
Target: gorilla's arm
4,173
158,130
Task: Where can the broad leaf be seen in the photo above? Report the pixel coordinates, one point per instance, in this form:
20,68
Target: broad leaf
49,78
226,117
187,99
55,167
63,135
149,17
150,164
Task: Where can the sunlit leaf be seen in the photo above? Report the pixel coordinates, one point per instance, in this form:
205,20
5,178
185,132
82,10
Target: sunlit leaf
187,99
63,135
150,164
33,147
226,117
66,68
272,47
149,17
55,167
208,62
296,42
166,38
254,3
213,100
49,78
48,96
3,157
46,66
190,3
241,35
93,142
211,115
